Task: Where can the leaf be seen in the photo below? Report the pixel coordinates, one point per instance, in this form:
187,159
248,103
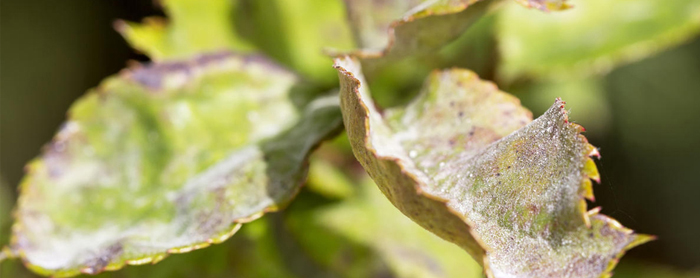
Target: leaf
465,161
593,37
363,236
328,181
252,253
295,33
593,108
194,27
545,5
396,29
167,158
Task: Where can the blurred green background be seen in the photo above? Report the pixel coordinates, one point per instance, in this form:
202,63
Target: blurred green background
642,115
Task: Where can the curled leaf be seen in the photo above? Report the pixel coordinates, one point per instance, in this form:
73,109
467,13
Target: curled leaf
593,37
167,158
465,161
396,29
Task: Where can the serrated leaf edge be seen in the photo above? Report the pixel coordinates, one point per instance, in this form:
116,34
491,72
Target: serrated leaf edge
417,183
590,172
8,252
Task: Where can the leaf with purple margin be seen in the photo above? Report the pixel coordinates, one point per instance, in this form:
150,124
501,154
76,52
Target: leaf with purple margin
167,158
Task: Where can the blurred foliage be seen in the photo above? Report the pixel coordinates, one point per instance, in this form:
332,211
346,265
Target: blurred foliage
193,27
642,115
592,37
297,33
394,246
591,109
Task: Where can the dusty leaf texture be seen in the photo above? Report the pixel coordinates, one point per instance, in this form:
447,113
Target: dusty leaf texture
394,29
167,158
466,162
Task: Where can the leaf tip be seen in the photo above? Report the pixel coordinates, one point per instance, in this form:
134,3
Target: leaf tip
5,253
587,190
640,239
120,26
591,171
594,211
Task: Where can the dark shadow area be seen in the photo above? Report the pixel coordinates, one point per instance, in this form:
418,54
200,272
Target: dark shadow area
51,53
651,158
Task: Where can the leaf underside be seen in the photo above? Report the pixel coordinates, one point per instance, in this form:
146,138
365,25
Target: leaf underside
167,158
466,162
389,30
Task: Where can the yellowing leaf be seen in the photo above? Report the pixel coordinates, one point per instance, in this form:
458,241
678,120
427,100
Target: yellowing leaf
465,161
592,37
167,158
194,27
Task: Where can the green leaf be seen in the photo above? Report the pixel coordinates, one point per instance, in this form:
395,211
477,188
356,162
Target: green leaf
593,37
253,253
194,27
167,158
545,5
466,162
296,33
364,236
328,181
396,29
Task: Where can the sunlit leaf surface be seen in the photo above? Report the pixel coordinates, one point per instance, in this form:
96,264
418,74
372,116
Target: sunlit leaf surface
167,158
593,36
192,27
466,162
